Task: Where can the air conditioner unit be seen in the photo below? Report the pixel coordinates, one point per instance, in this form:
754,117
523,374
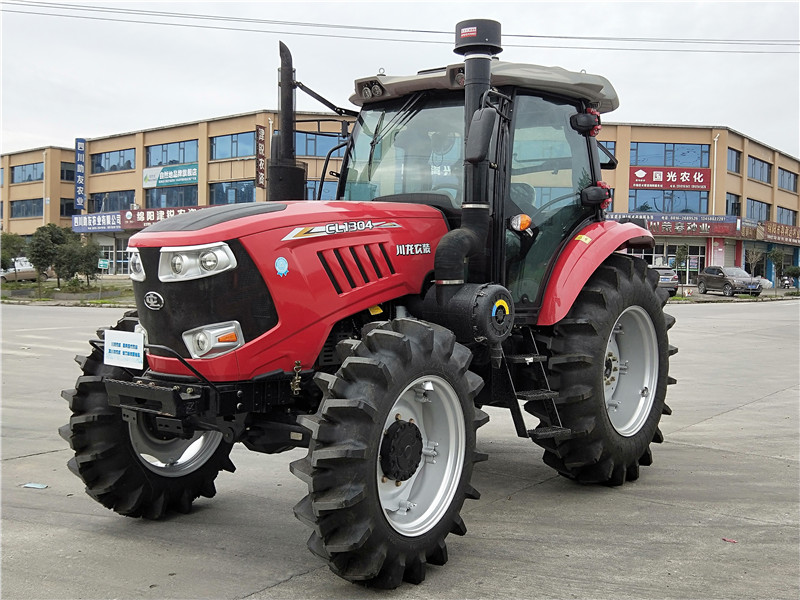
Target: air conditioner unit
134,207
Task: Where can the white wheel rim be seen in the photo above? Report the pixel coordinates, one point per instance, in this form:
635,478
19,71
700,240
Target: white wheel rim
631,368
417,504
172,456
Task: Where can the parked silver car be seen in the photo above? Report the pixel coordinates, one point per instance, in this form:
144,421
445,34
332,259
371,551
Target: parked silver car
667,279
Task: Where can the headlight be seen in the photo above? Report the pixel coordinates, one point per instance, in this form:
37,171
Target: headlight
210,341
135,265
183,263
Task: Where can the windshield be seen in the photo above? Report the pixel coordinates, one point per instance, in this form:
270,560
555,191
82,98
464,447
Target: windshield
412,145
735,272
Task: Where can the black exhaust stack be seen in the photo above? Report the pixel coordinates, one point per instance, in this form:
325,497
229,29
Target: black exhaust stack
476,312
286,178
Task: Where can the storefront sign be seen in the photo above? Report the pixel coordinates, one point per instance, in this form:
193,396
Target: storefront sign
80,173
96,222
139,219
669,178
261,157
170,175
685,224
777,232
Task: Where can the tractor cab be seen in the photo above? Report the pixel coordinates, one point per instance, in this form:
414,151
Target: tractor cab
409,144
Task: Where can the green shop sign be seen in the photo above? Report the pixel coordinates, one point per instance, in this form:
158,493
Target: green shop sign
170,175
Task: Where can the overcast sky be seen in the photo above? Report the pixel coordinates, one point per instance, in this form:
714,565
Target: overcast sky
66,77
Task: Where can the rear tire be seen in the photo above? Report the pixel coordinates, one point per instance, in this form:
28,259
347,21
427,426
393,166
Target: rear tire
391,454
128,467
609,360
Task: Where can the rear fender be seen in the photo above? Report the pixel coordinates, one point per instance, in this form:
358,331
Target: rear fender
580,258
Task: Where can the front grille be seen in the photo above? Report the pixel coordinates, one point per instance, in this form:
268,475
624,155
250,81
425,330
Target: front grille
351,267
239,294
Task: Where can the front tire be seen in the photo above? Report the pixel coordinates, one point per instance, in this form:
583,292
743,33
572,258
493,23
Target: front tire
727,290
129,467
609,358
701,287
391,454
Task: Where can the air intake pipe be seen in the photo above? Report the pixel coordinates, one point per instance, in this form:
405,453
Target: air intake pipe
477,40
475,312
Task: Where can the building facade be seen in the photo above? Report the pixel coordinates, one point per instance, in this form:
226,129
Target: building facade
728,197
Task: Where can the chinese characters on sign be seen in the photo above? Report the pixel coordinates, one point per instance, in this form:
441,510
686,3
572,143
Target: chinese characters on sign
777,232
261,157
96,222
170,175
685,224
80,173
670,178
139,219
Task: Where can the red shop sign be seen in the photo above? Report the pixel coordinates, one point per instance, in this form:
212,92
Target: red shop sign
670,178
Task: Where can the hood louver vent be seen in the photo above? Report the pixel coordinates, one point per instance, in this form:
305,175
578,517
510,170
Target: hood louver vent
352,267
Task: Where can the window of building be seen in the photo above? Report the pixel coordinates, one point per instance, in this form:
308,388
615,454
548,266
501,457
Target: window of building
68,207
30,172
236,145
232,192
758,211
118,160
27,209
664,254
328,190
787,180
668,201
318,144
758,169
171,197
67,171
175,153
733,205
121,257
669,155
734,161
2,176
110,201
786,216
611,147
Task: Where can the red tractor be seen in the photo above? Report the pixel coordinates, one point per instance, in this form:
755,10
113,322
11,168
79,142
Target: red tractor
465,263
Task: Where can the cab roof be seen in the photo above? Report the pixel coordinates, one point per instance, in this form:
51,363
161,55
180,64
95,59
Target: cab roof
594,89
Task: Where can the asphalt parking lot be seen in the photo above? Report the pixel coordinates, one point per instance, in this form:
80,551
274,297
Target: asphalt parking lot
716,516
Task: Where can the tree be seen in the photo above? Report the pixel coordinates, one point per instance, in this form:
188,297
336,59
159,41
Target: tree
46,244
681,257
12,245
68,261
752,257
776,256
89,254
794,273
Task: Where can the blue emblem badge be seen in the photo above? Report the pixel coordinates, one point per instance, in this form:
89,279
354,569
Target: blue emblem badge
282,266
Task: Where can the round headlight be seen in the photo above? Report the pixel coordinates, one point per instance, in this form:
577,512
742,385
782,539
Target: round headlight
201,342
177,264
135,263
209,260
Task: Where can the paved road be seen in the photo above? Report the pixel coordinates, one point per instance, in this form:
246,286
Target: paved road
727,471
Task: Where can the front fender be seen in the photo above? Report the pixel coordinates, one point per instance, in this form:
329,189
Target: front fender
580,258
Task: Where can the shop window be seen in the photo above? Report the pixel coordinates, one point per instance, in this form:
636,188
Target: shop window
175,153
67,171
668,201
68,207
118,160
758,211
734,161
787,180
27,209
733,205
232,192
786,216
669,155
171,197
29,172
318,144
110,201
236,145
759,170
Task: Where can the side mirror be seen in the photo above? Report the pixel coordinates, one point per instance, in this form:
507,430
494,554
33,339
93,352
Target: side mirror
480,135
